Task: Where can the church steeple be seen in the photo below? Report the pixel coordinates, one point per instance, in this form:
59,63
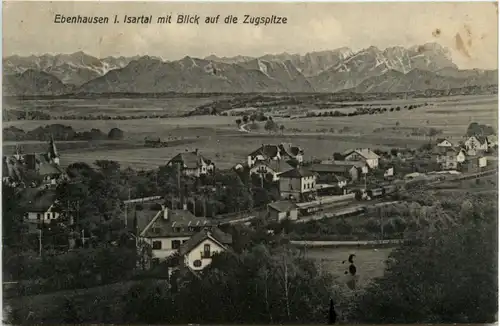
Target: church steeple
52,153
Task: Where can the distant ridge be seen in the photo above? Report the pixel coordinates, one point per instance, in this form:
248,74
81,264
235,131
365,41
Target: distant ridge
394,69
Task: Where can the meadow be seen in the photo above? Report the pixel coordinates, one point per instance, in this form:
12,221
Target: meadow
370,262
173,106
218,138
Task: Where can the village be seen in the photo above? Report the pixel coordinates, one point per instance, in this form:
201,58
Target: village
182,229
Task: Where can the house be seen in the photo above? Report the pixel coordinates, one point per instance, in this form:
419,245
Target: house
298,184
474,164
274,168
192,164
40,206
269,152
364,155
443,142
492,140
168,229
198,251
477,143
282,210
450,158
11,171
46,165
347,169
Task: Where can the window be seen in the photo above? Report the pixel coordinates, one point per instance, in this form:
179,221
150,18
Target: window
38,216
156,245
191,229
206,251
49,216
197,263
176,244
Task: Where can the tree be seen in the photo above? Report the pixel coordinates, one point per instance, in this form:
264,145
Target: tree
270,125
338,156
245,119
116,134
455,280
238,122
282,128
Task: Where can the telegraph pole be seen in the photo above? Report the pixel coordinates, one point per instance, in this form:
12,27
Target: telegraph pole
126,208
40,242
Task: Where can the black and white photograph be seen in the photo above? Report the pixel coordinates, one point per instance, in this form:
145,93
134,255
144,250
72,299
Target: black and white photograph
249,163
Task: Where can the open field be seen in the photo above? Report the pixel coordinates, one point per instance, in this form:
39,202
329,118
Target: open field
111,106
218,138
370,262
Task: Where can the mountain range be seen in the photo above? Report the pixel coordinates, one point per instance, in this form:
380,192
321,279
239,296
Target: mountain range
395,69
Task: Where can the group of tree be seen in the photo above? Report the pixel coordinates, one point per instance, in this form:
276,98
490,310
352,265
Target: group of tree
363,111
59,132
477,129
446,274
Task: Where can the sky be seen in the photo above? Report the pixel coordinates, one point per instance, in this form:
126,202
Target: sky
468,29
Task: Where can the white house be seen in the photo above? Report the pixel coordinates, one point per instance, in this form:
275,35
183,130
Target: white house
198,251
449,159
40,207
477,143
365,155
169,229
192,164
443,142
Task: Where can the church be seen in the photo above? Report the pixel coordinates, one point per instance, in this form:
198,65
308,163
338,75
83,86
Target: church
33,169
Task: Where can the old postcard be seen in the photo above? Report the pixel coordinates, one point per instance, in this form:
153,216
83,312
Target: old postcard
249,163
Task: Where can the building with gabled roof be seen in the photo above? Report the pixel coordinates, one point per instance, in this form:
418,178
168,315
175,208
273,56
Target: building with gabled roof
198,251
168,229
40,205
298,184
477,143
281,210
449,158
365,155
275,168
443,142
271,152
192,163
347,169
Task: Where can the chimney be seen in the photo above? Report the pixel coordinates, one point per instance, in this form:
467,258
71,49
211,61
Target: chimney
165,212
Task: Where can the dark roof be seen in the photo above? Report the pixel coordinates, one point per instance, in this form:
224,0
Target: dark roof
191,160
268,151
283,206
49,169
299,172
271,151
333,168
290,150
328,168
176,219
35,200
216,235
144,217
277,166
364,152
